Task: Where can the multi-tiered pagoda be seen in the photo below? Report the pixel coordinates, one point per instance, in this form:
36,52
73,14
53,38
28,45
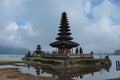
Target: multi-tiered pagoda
64,43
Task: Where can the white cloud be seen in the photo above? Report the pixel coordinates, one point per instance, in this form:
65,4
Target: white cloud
12,27
106,9
96,34
14,35
101,34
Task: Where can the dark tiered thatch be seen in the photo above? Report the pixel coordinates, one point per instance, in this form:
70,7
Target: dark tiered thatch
64,38
66,44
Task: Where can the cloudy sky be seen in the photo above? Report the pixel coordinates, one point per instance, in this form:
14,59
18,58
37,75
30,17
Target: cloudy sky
95,24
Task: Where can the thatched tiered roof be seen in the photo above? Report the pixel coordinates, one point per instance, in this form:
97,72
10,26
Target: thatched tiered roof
64,38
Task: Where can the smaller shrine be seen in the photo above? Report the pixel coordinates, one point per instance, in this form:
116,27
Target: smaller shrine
38,51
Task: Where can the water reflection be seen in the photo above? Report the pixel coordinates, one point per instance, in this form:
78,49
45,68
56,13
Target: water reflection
68,73
102,74
37,68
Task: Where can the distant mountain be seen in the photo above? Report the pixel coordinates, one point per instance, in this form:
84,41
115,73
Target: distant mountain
12,50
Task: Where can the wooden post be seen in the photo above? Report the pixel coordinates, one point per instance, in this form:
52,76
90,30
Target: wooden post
117,65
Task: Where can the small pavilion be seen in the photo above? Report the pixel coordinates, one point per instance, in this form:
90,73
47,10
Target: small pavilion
38,51
64,42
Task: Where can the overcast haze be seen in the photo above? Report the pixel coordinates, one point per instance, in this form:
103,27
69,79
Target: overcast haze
94,24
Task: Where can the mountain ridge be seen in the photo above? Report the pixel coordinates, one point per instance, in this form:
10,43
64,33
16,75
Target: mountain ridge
12,50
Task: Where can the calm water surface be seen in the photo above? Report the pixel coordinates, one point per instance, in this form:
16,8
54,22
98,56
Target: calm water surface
102,74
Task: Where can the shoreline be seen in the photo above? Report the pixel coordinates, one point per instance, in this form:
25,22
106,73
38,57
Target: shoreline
15,74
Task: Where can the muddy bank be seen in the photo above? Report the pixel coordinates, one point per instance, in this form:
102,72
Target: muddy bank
15,74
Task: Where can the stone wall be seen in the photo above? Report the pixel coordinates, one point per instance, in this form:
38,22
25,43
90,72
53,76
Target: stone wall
71,56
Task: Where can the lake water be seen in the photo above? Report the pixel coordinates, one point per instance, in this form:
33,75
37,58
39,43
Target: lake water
98,74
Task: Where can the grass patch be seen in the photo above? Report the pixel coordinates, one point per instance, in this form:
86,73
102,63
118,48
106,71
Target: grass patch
86,61
47,61
11,61
77,61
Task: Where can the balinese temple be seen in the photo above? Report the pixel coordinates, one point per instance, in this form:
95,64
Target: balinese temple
64,42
